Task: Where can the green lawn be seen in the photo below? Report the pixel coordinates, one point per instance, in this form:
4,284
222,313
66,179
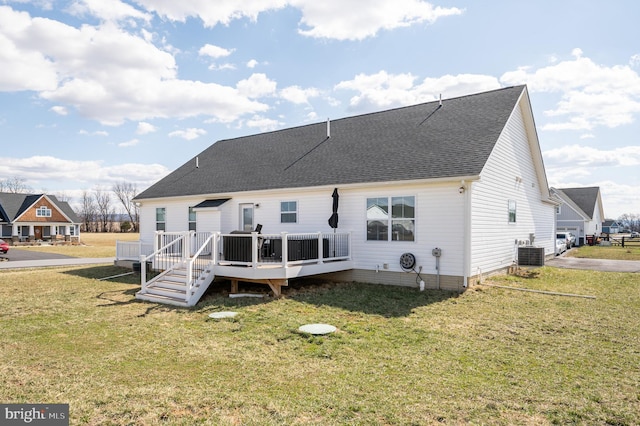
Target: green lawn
399,357
91,245
606,252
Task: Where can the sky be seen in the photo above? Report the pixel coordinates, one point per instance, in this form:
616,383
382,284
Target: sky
97,92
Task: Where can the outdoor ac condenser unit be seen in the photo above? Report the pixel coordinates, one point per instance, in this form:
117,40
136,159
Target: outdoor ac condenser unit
531,256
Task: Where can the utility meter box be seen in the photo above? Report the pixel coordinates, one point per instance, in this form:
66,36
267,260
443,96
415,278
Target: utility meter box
437,252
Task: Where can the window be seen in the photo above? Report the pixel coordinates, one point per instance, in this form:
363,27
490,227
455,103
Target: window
160,219
43,211
289,212
395,224
512,211
192,219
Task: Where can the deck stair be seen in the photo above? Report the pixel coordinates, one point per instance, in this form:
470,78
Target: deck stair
170,287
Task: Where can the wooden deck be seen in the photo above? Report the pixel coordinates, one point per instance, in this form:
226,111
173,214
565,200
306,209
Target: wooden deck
249,257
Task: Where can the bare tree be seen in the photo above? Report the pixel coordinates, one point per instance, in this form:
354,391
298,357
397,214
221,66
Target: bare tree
15,185
88,211
103,204
62,196
125,192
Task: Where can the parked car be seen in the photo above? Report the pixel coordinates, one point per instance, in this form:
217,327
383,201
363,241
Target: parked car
4,247
635,235
561,246
566,236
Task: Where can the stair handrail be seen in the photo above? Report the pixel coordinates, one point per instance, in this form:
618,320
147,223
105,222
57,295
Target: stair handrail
145,258
193,262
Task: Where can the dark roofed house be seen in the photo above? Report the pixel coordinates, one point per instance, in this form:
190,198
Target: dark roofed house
580,213
37,217
611,226
464,176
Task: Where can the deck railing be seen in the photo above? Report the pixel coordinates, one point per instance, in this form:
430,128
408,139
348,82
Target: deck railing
253,249
200,260
197,250
131,250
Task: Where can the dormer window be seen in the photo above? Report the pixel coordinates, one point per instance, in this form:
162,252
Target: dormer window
43,211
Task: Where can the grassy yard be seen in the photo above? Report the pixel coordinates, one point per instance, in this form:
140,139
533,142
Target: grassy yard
606,252
399,357
92,245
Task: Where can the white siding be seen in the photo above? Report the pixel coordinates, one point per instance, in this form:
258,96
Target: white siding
439,221
509,174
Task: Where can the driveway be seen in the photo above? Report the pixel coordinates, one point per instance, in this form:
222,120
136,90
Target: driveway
604,265
18,258
21,254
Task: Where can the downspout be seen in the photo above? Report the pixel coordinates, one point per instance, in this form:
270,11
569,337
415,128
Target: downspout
466,240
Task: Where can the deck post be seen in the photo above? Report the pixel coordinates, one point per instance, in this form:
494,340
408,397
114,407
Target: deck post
320,249
254,249
143,273
214,247
285,250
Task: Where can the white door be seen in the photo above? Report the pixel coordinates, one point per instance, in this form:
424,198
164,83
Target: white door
246,217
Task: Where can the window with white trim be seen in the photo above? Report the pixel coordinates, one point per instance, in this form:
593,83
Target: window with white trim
397,223
512,211
192,219
43,211
289,212
161,214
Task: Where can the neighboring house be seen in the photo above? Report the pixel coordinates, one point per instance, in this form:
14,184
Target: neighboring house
464,175
581,211
610,226
37,217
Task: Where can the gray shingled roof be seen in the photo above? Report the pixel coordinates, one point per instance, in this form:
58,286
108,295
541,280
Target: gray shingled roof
13,205
585,198
417,142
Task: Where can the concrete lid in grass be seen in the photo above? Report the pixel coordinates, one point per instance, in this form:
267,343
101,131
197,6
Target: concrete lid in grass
317,328
220,315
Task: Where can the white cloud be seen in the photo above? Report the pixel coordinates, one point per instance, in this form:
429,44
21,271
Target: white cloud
106,73
23,67
60,110
586,156
188,134
383,90
333,19
591,94
252,63
132,142
145,128
41,170
214,67
256,86
214,51
211,13
262,123
634,61
298,95
112,10
96,133
342,20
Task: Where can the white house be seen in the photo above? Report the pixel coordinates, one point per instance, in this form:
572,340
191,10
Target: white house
580,213
464,175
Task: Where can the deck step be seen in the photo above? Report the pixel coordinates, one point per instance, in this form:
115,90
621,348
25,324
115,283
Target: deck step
156,298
